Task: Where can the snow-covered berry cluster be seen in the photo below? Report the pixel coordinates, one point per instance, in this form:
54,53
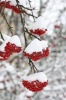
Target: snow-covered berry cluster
35,82
12,4
37,27
9,46
37,49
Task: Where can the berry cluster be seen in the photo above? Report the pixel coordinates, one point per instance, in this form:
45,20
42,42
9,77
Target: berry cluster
34,86
40,50
37,55
38,31
12,48
34,83
7,4
9,49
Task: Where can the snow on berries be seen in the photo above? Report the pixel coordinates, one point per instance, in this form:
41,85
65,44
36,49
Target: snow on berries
11,4
9,46
35,82
14,44
37,49
37,27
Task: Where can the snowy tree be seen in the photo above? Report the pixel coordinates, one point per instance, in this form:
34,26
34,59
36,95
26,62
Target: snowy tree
32,49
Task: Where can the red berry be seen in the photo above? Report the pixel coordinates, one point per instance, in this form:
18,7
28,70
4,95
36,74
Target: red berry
12,48
9,6
37,55
34,83
38,31
34,86
57,26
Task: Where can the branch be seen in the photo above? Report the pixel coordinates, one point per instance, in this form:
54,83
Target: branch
32,66
31,11
1,35
10,28
32,34
22,21
26,7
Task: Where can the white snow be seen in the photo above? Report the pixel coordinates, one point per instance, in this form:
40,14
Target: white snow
1,78
36,46
1,86
1,40
3,46
13,2
15,40
21,96
38,24
9,68
29,93
44,44
40,76
6,37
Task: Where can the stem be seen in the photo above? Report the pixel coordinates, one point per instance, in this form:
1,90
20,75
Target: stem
32,66
10,28
31,10
22,21
1,35
26,7
32,34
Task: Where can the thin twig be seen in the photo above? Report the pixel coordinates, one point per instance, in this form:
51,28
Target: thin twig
1,35
32,34
31,11
10,28
26,7
31,15
32,66
22,21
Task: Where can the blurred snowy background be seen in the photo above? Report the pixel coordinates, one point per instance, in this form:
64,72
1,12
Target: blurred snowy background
16,67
